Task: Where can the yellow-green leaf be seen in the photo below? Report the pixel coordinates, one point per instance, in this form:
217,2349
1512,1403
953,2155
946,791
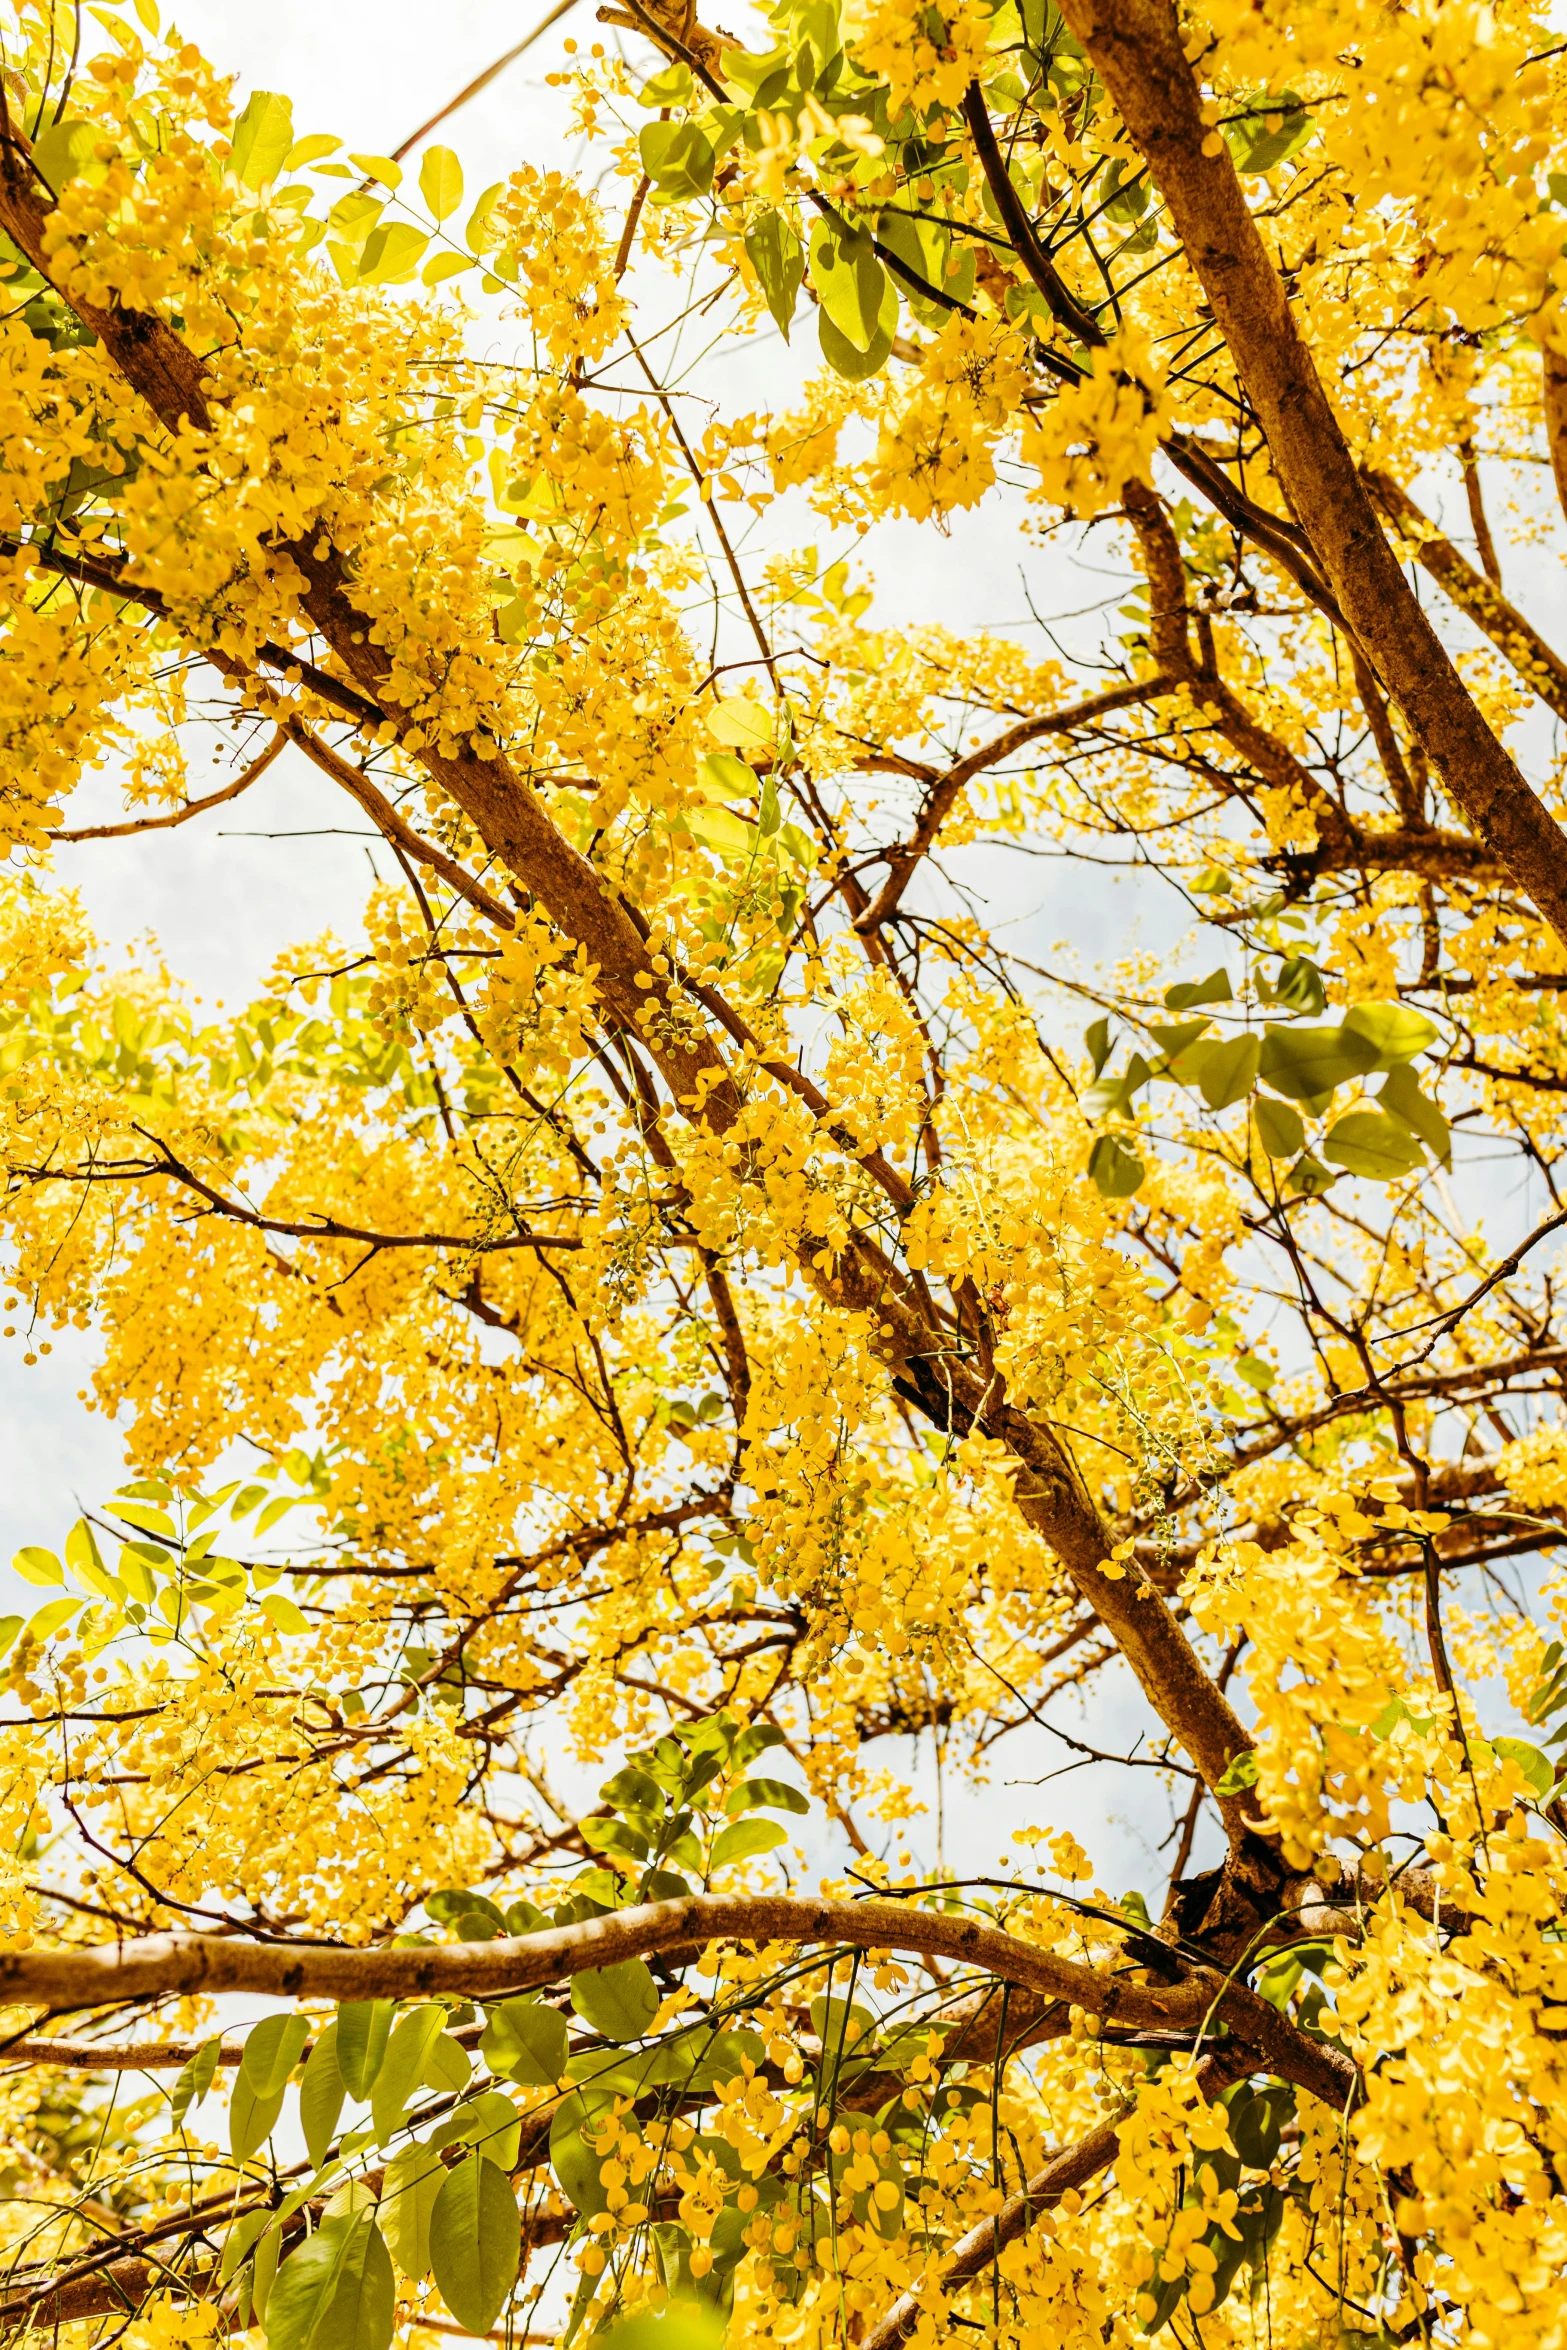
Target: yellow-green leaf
263,136
440,182
379,167
38,1566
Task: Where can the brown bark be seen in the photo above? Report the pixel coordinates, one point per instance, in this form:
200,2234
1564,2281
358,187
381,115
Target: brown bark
1273,760
903,861
166,823
1554,387
1073,2167
116,2291
1541,668
209,1963
1136,47
1479,521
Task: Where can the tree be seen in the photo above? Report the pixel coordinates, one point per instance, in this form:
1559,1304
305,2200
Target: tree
701,1301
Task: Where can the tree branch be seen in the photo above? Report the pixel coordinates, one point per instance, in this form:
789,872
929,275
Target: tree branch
231,791
160,1964
1073,2167
1136,47
903,861
1542,669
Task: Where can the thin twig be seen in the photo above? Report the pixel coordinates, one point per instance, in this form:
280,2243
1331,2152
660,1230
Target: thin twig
231,791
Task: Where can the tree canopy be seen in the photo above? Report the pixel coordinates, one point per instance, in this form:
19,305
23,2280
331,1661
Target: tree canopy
681,1306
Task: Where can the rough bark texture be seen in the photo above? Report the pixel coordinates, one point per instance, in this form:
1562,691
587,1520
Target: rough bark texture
209,1963
1136,47
1515,638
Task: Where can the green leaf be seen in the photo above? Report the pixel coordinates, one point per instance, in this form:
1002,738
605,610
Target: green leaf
252,2115
1240,1772
85,1561
453,1903
1402,1098
1280,1128
69,151
1229,1071
766,1794
775,254
755,1740
239,2239
1255,146
363,2026
440,182
743,722
1114,1093
392,253
679,2325
493,2125
1304,1063
1309,1176
272,2050
38,1566
841,2025
263,2270
1189,993
402,2067
677,159
136,1563
321,2096
336,2291
414,2177
1299,986
1116,1170
281,1611
1368,1143
1096,1036
845,358
745,1839
436,270
574,2162
447,2066
1394,1033
1174,1036
195,2079
851,282
1256,1372
262,138
1257,2119
475,2242
723,778
525,2041
616,1836
619,2001
925,248
1399,1710
1535,1766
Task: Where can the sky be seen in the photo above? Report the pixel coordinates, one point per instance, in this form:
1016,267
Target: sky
224,896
